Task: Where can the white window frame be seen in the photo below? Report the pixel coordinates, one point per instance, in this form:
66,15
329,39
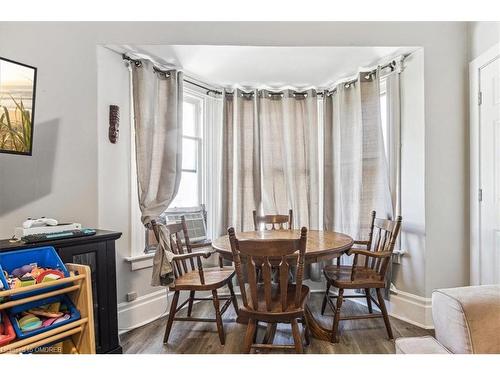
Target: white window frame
198,101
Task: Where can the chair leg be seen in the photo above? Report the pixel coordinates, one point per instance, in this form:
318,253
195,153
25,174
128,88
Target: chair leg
190,304
297,338
249,335
233,296
270,333
325,299
254,339
368,300
305,327
171,316
384,313
218,317
336,317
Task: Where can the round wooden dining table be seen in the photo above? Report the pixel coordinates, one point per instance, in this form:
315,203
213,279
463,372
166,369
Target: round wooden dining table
321,246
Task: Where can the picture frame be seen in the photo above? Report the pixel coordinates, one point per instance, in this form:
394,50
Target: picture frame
17,106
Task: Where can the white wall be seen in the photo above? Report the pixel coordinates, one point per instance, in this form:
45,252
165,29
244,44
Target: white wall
61,179
482,35
114,189
410,274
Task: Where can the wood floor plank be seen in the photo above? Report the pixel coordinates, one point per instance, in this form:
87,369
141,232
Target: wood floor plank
366,336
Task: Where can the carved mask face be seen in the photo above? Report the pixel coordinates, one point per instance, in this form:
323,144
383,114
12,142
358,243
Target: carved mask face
114,123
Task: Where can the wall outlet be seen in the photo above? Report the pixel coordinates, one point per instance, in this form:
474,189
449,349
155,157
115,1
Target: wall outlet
131,296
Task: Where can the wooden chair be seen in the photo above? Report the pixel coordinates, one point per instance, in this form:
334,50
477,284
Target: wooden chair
196,278
267,302
275,221
377,255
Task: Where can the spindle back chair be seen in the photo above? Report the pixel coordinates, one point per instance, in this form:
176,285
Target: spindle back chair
368,270
266,301
190,275
273,222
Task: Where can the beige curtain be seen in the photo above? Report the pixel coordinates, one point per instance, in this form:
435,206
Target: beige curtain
270,156
241,184
289,142
157,104
355,170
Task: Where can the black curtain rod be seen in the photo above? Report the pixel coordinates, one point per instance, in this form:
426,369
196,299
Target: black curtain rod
391,65
209,90
139,63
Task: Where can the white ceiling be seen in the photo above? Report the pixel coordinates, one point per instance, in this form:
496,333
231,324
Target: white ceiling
275,67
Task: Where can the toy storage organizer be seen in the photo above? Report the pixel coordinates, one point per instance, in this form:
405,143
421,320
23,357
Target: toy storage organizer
77,336
41,255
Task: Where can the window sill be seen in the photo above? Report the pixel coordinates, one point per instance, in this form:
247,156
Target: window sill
139,262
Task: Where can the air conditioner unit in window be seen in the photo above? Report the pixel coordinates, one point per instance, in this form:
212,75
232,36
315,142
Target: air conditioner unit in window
196,222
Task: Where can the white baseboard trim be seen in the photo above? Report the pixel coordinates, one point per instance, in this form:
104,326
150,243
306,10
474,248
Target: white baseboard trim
147,308
143,310
405,306
411,308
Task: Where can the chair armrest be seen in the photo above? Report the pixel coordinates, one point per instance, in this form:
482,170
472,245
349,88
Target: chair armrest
205,243
199,254
378,254
362,244
359,242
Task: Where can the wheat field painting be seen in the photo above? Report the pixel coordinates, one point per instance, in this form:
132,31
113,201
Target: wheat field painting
17,104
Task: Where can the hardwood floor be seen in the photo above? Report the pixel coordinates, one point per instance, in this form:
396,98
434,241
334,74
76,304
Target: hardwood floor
366,336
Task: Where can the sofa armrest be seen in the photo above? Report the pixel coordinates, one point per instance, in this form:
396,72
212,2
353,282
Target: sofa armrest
419,345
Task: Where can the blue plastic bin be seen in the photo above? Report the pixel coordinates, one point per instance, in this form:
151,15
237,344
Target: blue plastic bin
43,256
75,315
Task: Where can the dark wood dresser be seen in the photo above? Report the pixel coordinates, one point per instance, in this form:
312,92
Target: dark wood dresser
98,252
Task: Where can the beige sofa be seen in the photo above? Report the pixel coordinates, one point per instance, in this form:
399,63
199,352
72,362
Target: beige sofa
466,321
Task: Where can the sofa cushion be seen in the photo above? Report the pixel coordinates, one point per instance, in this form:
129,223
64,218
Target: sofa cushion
419,345
467,319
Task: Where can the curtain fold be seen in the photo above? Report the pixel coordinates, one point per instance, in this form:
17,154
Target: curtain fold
157,103
270,157
214,167
289,140
241,184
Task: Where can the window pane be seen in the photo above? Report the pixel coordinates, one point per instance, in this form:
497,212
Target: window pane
189,119
189,153
187,196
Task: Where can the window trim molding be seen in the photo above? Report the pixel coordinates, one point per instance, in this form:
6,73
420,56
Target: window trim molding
137,238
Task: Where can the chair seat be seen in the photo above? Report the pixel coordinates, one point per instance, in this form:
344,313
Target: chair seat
215,277
343,277
275,312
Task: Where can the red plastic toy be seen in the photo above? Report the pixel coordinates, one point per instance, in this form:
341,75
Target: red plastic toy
7,333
